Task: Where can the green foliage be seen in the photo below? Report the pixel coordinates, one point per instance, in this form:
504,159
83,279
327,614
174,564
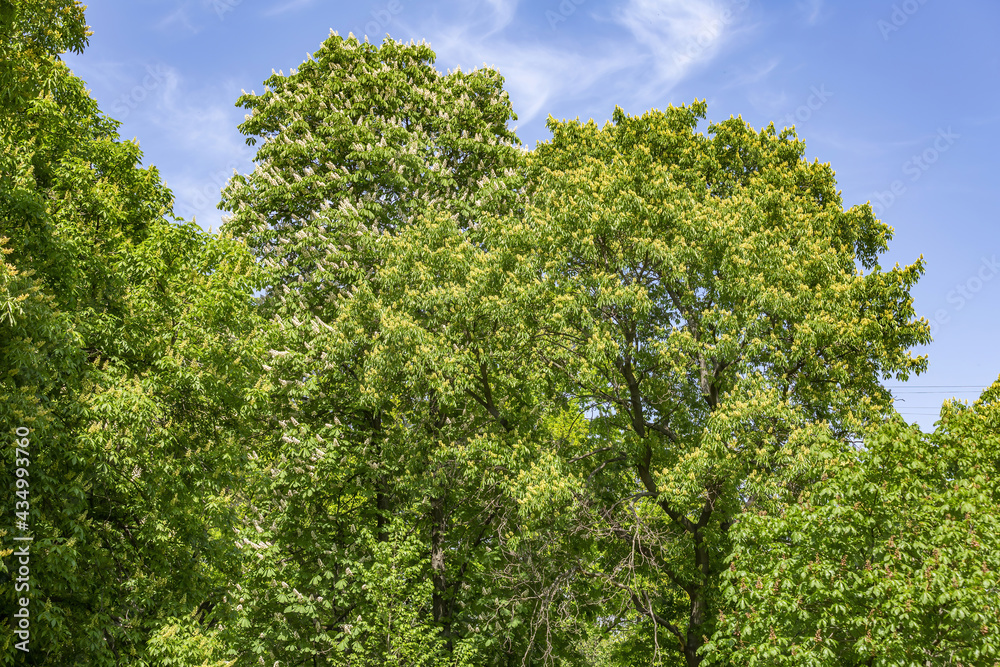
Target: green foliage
32,33
439,320
890,559
702,301
586,405
391,362
128,348
183,642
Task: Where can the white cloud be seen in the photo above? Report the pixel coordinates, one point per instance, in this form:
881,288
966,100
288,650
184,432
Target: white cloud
503,13
678,35
534,74
752,73
866,148
670,38
201,128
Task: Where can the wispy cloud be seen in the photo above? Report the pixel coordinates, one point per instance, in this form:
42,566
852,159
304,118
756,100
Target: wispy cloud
179,18
534,73
678,35
201,125
871,150
752,73
811,10
669,28
287,6
669,39
502,14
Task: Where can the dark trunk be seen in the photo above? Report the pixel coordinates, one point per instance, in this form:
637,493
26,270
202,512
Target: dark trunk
438,573
382,507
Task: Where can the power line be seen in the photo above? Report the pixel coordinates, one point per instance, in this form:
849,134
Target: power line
937,386
966,391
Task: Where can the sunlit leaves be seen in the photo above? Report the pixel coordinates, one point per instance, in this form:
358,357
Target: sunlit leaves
890,558
32,35
703,304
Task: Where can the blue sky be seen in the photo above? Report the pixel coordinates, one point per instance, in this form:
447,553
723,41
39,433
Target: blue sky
899,97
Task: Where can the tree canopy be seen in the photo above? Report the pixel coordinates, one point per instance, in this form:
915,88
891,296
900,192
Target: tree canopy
704,304
890,559
433,399
127,350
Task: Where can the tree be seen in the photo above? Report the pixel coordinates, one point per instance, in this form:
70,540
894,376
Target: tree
126,350
384,493
712,307
890,559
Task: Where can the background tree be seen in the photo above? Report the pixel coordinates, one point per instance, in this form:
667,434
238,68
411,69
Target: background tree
127,349
891,559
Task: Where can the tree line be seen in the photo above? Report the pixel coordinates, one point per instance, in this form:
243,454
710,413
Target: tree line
430,398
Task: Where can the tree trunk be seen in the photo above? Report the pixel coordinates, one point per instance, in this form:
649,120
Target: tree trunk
382,507
438,573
